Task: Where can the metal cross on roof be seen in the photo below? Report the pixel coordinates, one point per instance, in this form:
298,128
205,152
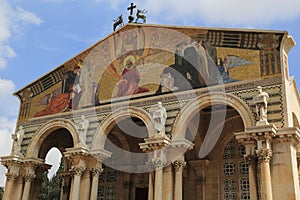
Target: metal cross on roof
130,17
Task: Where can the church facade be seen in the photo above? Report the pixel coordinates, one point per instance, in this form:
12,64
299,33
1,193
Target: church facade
164,112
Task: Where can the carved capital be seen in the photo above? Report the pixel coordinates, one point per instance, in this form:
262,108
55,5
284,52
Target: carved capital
156,164
11,176
29,177
96,171
264,155
179,165
77,170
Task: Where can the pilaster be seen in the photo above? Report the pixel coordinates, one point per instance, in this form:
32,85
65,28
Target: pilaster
200,167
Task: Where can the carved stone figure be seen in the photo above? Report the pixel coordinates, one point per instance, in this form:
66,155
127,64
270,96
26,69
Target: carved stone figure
159,116
17,140
261,104
82,127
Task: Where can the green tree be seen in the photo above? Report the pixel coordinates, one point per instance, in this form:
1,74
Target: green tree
50,189
1,192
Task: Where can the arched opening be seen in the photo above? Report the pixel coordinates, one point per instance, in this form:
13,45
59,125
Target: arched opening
51,148
122,177
209,129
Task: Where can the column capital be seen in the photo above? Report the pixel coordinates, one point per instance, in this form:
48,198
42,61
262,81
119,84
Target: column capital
179,165
264,155
96,171
29,177
156,164
11,176
77,170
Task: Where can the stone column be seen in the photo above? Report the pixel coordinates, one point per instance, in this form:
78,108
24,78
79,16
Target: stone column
95,172
158,188
77,172
151,187
178,166
9,185
168,183
28,178
264,157
65,185
13,165
284,173
252,176
85,185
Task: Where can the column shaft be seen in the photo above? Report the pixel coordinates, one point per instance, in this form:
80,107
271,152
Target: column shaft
158,190
150,187
252,178
95,181
264,156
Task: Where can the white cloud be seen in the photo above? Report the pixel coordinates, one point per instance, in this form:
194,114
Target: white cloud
234,12
7,128
10,21
9,104
8,107
27,16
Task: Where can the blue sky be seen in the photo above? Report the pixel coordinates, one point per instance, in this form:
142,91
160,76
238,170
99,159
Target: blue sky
37,36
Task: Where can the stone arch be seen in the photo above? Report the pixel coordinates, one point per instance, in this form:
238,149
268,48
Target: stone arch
45,130
205,100
109,122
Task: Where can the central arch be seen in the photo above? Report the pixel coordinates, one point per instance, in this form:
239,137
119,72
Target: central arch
109,122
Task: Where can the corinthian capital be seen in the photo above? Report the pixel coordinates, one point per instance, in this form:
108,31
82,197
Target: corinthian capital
264,155
179,165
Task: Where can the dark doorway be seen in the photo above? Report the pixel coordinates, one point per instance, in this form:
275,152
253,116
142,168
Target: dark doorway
141,193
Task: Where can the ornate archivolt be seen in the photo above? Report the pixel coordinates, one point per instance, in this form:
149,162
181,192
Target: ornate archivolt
41,134
108,123
195,106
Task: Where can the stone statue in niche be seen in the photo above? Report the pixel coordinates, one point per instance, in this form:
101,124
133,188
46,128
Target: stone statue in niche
17,141
82,128
261,104
159,117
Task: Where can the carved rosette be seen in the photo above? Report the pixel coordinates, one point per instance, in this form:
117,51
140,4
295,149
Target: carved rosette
96,171
77,170
179,165
11,176
264,155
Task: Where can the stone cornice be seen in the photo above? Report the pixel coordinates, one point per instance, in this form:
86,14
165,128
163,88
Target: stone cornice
288,135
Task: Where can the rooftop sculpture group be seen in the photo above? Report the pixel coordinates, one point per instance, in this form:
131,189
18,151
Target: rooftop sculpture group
139,15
